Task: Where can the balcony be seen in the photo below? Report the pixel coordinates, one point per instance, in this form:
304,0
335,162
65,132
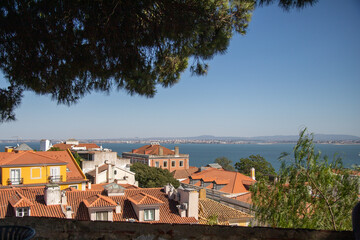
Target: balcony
15,181
55,179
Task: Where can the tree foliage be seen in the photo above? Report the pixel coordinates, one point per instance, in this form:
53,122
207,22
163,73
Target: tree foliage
67,49
263,169
77,158
310,192
55,149
225,163
149,177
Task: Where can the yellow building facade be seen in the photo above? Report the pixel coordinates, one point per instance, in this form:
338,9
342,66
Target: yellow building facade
31,168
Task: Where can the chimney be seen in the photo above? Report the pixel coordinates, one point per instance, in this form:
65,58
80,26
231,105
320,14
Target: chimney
177,151
109,173
63,198
89,185
52,194
252,173
189,203
96,174
202,193
161,151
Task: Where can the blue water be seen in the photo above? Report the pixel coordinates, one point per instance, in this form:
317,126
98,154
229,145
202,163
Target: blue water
203,154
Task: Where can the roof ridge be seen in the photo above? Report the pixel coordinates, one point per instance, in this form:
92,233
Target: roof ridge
15,155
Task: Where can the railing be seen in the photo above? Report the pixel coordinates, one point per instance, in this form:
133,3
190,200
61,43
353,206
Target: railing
56,178
15,181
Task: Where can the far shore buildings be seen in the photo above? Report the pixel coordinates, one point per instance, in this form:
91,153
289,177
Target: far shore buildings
155,155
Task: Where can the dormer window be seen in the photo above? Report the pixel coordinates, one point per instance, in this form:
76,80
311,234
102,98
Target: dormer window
149,214
23,212
102,216
147,207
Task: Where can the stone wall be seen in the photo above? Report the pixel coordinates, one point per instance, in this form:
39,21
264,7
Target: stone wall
53,228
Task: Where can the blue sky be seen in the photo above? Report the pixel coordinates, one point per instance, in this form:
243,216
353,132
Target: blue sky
291,69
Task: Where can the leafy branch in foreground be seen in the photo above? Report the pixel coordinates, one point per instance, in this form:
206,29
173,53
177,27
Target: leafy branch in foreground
310,192
67,49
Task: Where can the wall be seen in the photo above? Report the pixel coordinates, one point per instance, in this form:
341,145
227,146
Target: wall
99,158
53,228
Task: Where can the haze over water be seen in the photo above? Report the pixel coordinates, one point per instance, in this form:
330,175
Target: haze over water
203,154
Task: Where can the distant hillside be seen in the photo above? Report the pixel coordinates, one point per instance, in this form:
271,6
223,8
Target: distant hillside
280,138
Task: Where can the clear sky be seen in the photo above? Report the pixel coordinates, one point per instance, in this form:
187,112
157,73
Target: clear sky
292,69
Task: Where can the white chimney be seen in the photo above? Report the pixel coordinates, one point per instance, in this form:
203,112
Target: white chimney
96,174
52,194
252,173
177,152
89,185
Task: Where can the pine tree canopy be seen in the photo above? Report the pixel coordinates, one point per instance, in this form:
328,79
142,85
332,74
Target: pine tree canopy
67,49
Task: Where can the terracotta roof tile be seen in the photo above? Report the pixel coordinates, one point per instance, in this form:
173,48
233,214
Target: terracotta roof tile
144,199
234,180
99,201
64,146
26,158
244,198
208,207
101,168
18,200
74,173
153,150
184,173
75,199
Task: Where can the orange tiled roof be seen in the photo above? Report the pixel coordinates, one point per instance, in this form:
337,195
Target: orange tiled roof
99,201
208,207
101,168
75,199
144,199
244,198
153,150
234,180
74,172
184,173
27,158
64,146
18,200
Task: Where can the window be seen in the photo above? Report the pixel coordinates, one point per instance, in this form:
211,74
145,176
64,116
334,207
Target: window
173,163
15,176
55,174
22,212
157,164
165,163
149,214
181,163
74,186
101,216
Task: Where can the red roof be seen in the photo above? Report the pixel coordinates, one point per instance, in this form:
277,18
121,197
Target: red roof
18,200
234,181
27,158
153,150
64,146
184,173
144,199
75,199
99,201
